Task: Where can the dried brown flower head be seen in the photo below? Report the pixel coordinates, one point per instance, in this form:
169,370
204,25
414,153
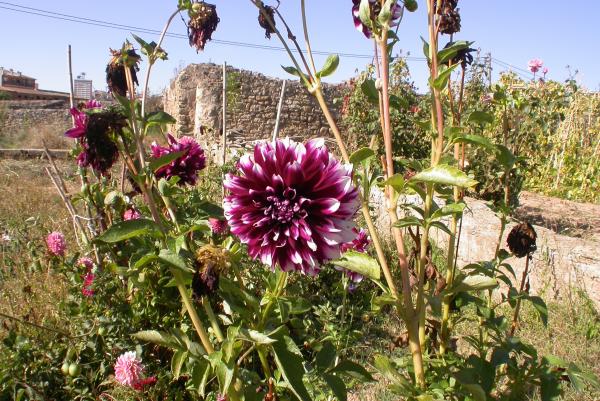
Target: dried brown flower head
264,22
211,262
521,240
449,16
203,23
116,78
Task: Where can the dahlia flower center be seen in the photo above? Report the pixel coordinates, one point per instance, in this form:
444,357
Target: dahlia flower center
284,208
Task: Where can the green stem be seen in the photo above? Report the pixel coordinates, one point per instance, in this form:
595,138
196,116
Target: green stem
212,319
515,320
421,307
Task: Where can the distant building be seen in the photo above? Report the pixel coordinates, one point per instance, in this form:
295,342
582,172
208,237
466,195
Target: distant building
82,88
16,86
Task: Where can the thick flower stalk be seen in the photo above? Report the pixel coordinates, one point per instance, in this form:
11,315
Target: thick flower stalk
57,245
292,204
186,166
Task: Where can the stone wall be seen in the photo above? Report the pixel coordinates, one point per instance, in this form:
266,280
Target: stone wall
560,264
19,117
194,98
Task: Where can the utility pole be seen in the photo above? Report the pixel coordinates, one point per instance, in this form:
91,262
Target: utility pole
488,68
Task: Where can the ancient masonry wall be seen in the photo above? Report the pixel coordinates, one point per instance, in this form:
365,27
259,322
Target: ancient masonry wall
18,117
194,98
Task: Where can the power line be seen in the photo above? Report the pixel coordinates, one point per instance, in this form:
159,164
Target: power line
111,25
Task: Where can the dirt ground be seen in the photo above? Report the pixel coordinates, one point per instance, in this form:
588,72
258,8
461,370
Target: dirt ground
565,217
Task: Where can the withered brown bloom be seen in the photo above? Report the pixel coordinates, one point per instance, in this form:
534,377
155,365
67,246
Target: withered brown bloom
116,78
521,240
264,22
449,16
211,262
203,23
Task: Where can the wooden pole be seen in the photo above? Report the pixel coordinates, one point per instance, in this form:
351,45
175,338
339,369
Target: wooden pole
224,124
71,97
279,107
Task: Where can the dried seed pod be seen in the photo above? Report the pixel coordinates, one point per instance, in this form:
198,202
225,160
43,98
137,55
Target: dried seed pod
521,240
203,23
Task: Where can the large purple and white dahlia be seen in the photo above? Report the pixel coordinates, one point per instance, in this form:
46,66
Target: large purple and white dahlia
292,204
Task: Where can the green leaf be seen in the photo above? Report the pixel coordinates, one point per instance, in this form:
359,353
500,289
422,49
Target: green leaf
156,337
255,336
364,13
397,182
291,368
200,375
444,174
326,356
550,389
480,118
177,362
540,306
449,53
338,387
361,263
370,90
476,391
411,5
162,161
160,117
144,260
385,14
173,260
476,140
441,226
211,209
331,64
505,157
408,221
398,103
578,377
130,229
441,81
453,208
388,371
294,71
471,283
353,370
361,154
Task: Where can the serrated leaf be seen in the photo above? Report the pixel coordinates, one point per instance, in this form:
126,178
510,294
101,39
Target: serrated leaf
444,174
361,263
361,154
129,229
330,66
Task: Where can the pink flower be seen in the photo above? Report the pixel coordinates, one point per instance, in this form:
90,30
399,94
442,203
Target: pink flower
131,214
535,65
359,244
88,282
81,119
86,262
292,204
129,369
56,243
545,71
221,397
187,165
217,226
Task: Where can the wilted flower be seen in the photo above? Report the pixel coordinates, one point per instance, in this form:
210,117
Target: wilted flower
292,204
116,78
131,214
203,23
375,8
86,262
264,22
56,243
187,165
88,282
521,240
211,261
99,148
80,119
535,65
463,56
449,16
129,369
217,226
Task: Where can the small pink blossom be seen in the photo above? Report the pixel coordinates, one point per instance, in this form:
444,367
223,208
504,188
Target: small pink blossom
217,226
86,262
535,65
88,282
56,243
545,71
131,214
129,369
221,397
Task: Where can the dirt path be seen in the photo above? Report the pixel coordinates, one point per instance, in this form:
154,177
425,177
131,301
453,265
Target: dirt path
574,219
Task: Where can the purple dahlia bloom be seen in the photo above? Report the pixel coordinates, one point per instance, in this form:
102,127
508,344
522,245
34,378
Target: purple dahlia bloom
292,204
186,166
359,244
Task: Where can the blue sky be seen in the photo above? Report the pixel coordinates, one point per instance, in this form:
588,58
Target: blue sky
514,31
